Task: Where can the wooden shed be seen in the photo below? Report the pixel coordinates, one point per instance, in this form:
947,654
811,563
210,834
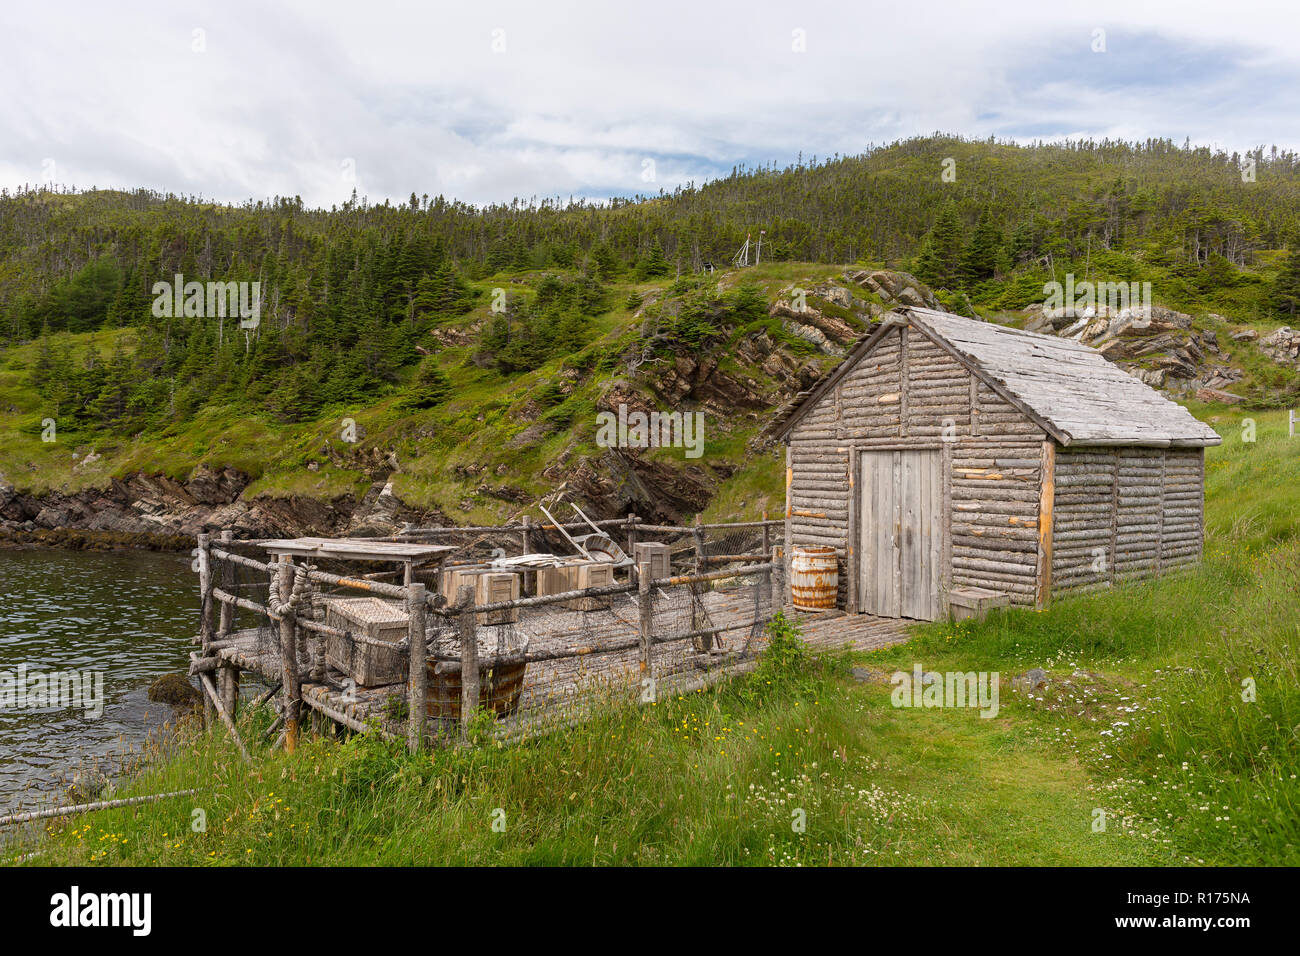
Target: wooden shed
946,454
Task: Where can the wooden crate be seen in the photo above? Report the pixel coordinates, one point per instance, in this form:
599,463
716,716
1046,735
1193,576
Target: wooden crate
577,576
453,579
659,555
367,664
965,604
489,586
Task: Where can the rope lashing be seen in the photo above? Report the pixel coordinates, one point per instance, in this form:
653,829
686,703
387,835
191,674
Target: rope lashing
300,585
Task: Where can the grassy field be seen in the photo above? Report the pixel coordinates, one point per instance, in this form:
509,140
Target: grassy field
721,777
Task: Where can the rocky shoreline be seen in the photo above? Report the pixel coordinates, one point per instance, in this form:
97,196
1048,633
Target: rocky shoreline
158,513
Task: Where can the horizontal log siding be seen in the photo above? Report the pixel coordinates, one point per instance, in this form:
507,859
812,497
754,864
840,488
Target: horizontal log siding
1124,512
996,454
819,498
870,396
1183,533
1082,528
996,481
938,390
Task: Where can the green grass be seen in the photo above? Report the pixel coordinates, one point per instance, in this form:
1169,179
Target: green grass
710,778
1158,714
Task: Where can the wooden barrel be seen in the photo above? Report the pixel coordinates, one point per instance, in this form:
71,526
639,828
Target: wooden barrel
814,577
499,687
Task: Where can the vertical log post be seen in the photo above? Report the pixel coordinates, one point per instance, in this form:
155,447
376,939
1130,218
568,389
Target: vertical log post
227,674
468,659
631,534
645,623
205,615
1046,508
702,644
769,579
527,535
776,580
227,612
787,534
418,680
289,658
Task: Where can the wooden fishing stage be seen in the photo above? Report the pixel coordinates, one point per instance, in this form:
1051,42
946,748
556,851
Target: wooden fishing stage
538,661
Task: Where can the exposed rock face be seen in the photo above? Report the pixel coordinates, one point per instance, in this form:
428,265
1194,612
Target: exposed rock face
624,481
1159,346
1282,346
896,288
827,333
696,379
158,507
1215,395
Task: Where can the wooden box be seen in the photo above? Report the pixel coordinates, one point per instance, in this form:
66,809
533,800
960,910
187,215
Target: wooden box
367,664
966,604
659,556
453,579
577,576
490,587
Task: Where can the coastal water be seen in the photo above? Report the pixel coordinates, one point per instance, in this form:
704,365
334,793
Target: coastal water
110,623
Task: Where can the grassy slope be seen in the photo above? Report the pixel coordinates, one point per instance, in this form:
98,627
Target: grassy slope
1153,730
445,454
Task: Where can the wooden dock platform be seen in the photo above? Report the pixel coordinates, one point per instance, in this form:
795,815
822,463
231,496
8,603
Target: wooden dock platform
564,688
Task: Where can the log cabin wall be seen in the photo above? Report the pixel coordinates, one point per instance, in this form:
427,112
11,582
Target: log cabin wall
1125,512
909,392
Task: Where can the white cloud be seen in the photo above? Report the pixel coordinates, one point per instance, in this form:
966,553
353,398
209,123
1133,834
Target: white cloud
417,98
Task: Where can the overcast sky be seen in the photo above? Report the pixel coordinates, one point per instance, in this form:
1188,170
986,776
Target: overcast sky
485,101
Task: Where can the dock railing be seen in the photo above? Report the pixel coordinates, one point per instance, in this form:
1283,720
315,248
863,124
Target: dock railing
672,630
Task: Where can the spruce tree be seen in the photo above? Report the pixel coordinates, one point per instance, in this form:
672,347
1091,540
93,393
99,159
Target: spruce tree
1284,296
979,260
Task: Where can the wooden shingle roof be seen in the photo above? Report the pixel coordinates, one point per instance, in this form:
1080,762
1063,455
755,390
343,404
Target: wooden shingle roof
1071,390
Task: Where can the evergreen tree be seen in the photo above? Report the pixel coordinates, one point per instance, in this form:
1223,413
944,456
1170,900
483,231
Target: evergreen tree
979,259
653,264
939,262
431,386
1284,296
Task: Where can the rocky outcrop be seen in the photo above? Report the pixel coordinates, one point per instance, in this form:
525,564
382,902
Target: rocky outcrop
829,334
1282,346
896,288
1158,346
143,509
696,379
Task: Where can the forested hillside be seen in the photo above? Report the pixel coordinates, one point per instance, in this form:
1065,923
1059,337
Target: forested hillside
432,323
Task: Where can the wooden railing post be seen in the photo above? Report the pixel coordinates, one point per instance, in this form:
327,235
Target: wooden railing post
289,657
227,674
631,534
418,680
468,659
527,535
227,584
704,642
645,623
778,579
205,615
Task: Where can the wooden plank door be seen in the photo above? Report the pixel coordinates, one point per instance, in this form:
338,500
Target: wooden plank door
900,529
